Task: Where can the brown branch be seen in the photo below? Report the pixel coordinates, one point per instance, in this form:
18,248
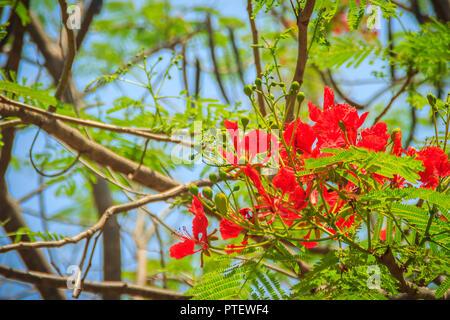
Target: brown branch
339,91
15,54
99,125
400,91
302,56
94,9
408,288
94,151
256,56
10,213
50,281
69,59
112,259
180,189
237,57
213,57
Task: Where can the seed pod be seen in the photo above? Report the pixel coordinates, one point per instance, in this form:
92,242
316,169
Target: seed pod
258,81
208,193
221,202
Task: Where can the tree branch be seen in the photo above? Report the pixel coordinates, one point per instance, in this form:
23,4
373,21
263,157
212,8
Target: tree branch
213,57
94,151
180,189
302,56
118,288
405,286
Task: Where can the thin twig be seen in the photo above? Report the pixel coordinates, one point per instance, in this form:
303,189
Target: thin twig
400,91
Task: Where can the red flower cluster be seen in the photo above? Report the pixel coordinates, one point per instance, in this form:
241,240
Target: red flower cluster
436,165
283,198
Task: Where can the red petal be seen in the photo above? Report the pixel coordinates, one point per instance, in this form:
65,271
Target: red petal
229,229
230,125
328,98
182,249
314,112
199,226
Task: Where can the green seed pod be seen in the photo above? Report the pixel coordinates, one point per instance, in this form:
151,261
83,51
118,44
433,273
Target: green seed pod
295,86
248,90
258,81
208,193
221,202
213,177
193,189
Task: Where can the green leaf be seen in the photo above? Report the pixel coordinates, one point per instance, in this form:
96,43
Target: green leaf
34,94
443,288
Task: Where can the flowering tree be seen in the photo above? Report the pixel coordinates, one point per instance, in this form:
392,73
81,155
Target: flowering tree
302,200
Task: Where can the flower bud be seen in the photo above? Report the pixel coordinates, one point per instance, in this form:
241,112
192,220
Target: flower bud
295,86
258,81
213,177
342,126
193,189
223,175
221,202
300,97
245,120
248,90
431,99
208,193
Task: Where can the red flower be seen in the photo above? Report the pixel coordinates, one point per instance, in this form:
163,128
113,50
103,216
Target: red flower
252,144
182,249
229,229
436,165
302,139
374,138
330,123
398,149
199,226
285,180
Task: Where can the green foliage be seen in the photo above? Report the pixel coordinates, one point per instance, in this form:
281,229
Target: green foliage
344,50
34,235
225,278
30,94
445,285
378,162
425,50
